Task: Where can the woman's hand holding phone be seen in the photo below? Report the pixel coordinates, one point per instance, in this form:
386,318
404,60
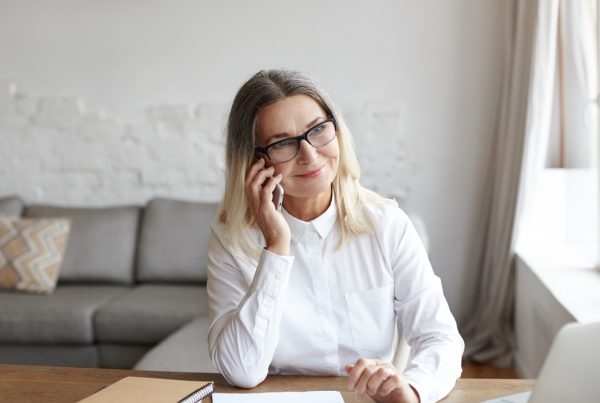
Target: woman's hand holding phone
259,187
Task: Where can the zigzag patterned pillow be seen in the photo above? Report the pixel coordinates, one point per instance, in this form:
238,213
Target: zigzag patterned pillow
31,252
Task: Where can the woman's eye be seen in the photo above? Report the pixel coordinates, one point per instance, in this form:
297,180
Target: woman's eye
317,129
281,144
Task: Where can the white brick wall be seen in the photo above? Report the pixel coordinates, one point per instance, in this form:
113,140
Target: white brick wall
55,150
58,150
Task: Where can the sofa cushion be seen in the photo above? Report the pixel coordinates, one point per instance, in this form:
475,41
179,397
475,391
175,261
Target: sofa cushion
149,313
31,252
186,350
63,317
101,245
49,354
11,206
120,355
174,240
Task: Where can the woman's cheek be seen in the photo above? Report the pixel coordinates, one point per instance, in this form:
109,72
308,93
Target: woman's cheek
279,170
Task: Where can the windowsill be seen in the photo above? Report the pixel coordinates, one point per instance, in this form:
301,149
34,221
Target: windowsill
556,281
555,285
571,278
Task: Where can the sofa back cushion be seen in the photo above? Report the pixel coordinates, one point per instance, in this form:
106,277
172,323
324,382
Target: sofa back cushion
173,241
11,206
101,245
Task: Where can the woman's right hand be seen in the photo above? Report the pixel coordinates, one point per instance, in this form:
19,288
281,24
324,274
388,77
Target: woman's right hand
259,186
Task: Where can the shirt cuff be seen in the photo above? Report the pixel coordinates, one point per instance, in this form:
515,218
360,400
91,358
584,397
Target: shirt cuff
419,384
272,273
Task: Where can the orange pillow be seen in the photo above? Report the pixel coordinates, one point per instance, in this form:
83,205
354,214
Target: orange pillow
32,252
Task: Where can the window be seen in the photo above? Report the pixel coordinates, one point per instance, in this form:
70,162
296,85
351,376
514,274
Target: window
571,180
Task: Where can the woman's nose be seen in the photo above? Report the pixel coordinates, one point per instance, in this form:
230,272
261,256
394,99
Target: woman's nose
307,152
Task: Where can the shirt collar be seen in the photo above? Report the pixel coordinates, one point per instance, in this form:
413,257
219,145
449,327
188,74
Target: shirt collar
322,224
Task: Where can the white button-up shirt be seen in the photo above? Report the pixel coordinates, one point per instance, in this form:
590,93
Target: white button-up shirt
319,309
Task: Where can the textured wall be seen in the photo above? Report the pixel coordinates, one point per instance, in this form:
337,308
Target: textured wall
57,150
60,150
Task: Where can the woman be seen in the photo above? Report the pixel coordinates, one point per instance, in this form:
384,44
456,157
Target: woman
319,287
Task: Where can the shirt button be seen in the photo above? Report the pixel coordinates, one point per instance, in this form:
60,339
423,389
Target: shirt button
277,276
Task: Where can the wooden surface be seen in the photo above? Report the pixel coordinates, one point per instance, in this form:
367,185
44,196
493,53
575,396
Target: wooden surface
22,383
476,370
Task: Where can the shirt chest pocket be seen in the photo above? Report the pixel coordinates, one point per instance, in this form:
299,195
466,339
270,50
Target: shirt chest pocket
372,318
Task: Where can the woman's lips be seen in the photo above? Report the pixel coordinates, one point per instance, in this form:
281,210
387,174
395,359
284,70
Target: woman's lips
312,174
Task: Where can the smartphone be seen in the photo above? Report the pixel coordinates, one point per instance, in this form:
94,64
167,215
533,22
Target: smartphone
278,197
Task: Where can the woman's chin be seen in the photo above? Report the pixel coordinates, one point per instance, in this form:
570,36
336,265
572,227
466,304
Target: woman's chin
307,188
307,191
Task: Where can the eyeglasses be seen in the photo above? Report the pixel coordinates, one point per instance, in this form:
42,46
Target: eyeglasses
286,150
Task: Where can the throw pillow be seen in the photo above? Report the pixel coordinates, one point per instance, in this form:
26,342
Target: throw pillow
31,252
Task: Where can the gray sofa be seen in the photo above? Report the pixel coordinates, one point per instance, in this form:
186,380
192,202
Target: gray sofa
131,291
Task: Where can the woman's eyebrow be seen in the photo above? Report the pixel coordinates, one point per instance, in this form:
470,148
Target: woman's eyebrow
286,135
313,122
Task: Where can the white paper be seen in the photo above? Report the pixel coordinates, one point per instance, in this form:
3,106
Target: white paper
278,397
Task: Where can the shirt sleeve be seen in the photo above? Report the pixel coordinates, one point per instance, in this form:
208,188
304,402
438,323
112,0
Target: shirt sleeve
245,312
428,325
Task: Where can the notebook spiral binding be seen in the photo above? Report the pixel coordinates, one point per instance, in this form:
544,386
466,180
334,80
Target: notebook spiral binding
199,394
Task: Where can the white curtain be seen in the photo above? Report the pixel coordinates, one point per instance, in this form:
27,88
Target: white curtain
518,156
580,75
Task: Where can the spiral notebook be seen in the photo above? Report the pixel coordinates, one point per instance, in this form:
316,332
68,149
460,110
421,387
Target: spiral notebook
152,390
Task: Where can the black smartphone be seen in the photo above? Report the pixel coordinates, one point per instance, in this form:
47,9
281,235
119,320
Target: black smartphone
278,197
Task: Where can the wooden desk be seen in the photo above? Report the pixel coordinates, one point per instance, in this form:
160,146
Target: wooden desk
23,383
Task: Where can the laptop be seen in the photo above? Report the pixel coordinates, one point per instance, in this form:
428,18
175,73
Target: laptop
571,371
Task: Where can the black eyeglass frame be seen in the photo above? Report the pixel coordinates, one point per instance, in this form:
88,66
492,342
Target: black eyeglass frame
298,139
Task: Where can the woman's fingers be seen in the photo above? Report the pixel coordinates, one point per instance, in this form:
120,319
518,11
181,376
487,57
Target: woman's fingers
356,372
258,181
250,175
266,193
377,379
255,184
391,383
254,168
259,185
256,172
360,375
361,385
381,375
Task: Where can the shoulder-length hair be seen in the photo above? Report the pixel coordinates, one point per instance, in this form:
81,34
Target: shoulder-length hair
265,88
